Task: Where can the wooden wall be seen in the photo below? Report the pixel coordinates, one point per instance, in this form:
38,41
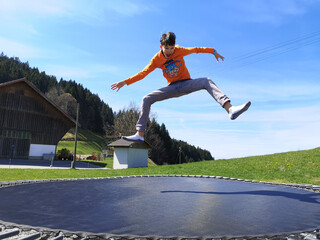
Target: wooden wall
27,118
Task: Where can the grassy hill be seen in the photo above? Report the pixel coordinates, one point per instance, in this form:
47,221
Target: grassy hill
88,142
301,167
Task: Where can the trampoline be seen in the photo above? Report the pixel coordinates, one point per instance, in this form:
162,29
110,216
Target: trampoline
161,207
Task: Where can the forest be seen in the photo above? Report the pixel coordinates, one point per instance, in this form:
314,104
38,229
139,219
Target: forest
97,116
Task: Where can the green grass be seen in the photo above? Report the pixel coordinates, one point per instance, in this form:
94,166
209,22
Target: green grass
86,148
301,167
108,163
87,142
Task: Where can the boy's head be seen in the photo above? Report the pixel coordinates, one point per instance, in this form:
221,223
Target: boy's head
168,38
168,41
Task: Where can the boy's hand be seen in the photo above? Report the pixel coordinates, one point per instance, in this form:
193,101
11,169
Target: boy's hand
217,56
118,85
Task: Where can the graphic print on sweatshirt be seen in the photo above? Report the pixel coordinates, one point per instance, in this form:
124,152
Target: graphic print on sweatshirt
172,67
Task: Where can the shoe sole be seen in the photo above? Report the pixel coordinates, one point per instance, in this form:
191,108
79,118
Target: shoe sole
248,104
133,140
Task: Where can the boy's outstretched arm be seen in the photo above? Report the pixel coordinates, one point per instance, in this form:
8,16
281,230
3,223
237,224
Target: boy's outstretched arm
217,56
118,85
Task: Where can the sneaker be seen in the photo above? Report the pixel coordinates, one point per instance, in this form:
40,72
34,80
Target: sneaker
236,111
135,137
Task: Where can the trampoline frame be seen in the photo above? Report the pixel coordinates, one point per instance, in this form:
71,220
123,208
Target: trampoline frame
88,235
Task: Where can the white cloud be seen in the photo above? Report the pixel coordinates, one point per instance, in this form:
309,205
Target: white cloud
126,8
16,8
268,11
309,114
224,144
100,12
24,14
255,118
13,48
254,133
87,72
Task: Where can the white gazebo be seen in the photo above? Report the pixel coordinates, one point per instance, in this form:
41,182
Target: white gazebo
129,154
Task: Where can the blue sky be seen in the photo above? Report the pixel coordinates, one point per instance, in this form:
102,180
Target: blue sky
271,50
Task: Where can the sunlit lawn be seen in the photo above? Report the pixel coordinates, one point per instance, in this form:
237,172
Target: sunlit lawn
293,167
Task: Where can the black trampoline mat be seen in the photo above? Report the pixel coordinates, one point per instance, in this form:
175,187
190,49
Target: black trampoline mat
162,206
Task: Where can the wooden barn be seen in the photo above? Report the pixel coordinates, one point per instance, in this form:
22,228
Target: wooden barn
31,125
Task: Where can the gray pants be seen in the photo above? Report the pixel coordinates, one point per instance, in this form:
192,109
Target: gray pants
178,89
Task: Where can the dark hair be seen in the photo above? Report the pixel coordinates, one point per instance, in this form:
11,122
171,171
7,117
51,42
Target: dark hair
168,38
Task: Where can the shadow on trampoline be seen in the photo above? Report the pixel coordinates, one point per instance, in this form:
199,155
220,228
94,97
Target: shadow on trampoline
311,198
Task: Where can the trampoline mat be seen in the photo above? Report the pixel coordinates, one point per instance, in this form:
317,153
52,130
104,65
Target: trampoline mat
162,206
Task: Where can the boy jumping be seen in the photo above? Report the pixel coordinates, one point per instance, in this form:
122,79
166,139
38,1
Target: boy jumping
170,60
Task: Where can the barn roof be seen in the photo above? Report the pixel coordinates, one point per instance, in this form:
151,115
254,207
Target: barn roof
31,85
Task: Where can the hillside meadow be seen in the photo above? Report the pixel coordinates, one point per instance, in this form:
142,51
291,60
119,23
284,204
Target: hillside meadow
302,167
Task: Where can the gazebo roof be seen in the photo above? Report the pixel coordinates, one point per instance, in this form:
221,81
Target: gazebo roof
122,143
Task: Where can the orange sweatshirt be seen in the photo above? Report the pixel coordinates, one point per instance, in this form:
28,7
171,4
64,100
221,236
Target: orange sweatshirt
173,68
